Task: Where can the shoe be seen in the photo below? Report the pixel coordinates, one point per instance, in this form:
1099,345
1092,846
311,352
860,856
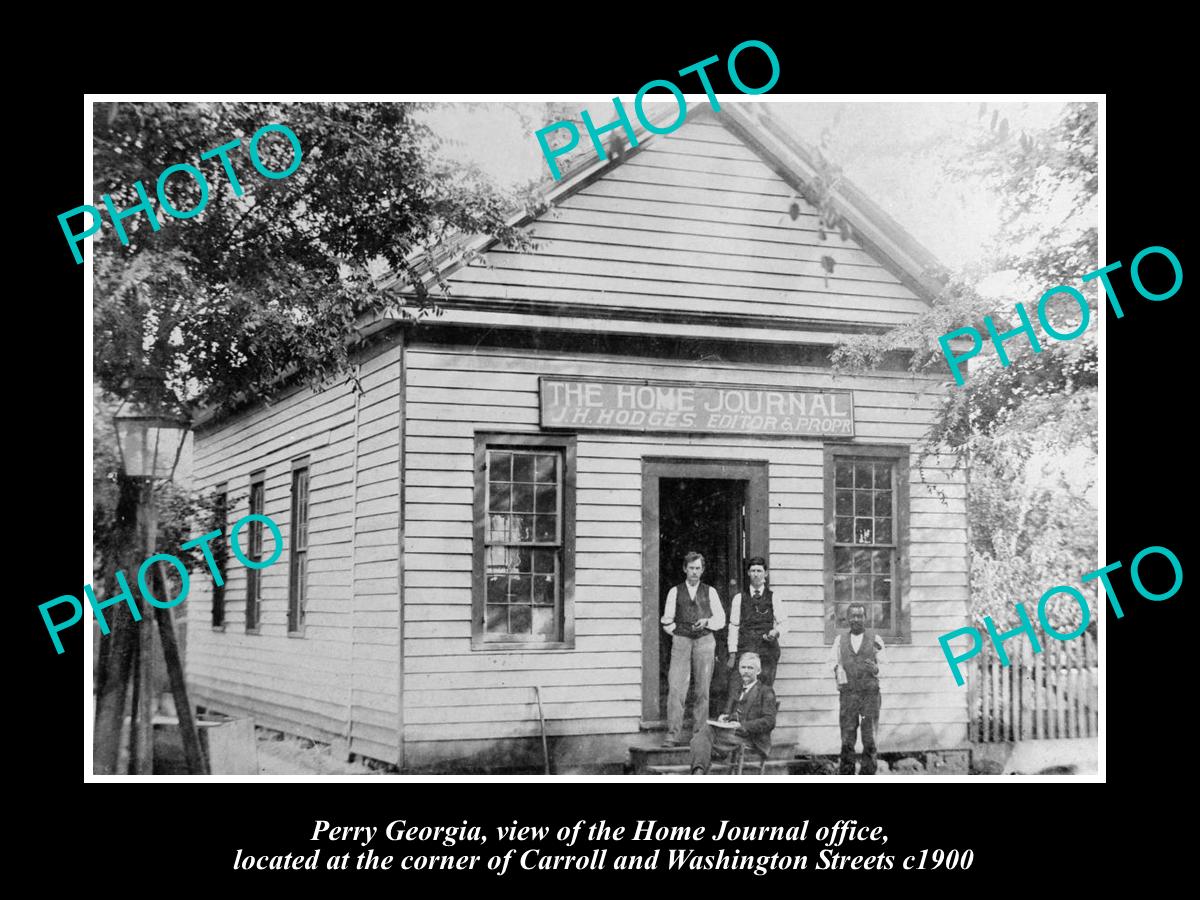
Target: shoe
669,743
697,771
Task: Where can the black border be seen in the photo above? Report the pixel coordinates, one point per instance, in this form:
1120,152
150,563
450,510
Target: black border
1045,834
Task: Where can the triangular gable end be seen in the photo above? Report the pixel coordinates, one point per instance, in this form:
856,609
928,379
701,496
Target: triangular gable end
705,221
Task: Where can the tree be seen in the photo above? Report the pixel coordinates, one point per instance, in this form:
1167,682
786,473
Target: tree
1029,429
214,310
269,281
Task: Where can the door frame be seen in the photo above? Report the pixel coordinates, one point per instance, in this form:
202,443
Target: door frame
756,476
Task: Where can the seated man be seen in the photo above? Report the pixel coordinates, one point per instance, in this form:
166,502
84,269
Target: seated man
753,708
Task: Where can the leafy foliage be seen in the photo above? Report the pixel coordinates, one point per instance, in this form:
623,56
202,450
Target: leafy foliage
1032,514
181,514
213,310
1029,429
1031,175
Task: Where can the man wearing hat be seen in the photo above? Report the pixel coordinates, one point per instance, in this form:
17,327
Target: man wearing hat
756,622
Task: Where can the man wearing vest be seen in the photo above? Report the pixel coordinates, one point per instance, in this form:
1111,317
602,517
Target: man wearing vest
756,622
857,657
752,708
692,613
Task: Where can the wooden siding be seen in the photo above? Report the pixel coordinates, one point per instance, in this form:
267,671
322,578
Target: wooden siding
696,222
375,676
455,694
317,684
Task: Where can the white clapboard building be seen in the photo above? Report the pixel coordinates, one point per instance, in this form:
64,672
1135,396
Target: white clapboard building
500,512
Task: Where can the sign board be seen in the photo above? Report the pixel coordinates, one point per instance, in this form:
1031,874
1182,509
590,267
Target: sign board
588,404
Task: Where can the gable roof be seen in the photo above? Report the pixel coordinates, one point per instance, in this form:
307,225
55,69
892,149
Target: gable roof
883,236
751,283
788,156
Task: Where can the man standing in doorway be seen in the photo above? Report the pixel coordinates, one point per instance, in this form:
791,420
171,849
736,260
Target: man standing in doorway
857,657
693,612
756,622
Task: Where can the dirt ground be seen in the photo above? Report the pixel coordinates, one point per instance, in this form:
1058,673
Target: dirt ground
282,755
286,755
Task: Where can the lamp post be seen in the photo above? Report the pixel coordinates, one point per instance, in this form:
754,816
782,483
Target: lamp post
149,441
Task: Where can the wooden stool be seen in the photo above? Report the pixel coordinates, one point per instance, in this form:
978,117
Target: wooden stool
738,763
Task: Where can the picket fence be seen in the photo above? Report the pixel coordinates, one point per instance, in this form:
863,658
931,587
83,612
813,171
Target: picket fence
1052,694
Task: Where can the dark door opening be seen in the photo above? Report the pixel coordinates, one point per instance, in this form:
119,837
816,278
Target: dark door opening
715,507
706,515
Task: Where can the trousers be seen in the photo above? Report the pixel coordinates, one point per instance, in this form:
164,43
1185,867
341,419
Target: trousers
855,709
691,659
709,740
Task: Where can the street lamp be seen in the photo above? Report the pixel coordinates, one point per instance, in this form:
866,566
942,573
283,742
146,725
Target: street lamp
150,441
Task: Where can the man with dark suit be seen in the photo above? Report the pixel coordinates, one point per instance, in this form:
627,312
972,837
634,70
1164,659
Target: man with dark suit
753,708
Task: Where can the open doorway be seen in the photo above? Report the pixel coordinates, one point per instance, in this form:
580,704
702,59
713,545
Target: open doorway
716,509
705,515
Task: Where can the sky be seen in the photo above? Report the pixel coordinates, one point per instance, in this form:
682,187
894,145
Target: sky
896,152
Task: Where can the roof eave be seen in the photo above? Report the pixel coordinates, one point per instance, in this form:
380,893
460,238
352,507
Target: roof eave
576,177
881,235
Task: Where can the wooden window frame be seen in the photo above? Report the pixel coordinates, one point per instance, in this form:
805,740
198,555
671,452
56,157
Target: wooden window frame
566,445
297,585
220,553
901,632
254,576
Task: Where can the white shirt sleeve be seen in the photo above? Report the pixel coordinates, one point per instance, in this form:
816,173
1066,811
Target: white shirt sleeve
717,621
669,611
735,620
835,652
780,614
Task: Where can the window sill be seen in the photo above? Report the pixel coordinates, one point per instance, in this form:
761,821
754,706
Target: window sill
522,646
890,640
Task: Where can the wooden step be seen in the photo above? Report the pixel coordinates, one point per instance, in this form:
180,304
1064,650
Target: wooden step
642,758
774,767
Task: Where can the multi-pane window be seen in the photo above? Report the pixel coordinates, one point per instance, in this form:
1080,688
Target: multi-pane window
524,536
254,550
524,543
220,552
865,504
864,547
299,558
